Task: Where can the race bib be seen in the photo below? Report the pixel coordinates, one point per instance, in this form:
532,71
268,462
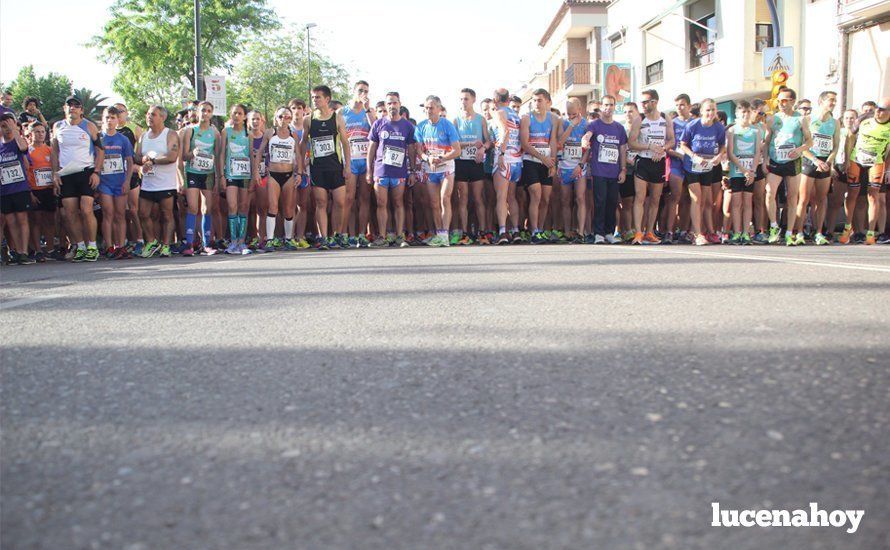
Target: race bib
608,154
468,151
823,144
323,146
113,164
701,165
783,152
239,167
12,173
281,154
866,158
359,148
747,163
572,153
393,156
631,155
43,177
544,151
202,161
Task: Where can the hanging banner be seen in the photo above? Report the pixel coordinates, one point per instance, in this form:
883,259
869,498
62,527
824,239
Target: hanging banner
617,79
215,91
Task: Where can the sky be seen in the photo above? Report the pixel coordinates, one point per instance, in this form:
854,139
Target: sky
425,52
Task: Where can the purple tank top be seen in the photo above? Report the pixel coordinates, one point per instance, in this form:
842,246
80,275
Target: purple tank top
264,167
13,176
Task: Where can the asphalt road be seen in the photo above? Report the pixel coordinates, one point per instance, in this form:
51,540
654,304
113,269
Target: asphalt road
490,397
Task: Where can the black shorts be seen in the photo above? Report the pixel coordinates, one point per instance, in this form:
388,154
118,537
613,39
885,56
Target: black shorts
740,184
328,179
77,185
240,184
651,171
15,202
468,170
135,181
810,169
534,172
199,181
157,196
705,178
44,200
758,173
840,173
627,188
281,177
784,169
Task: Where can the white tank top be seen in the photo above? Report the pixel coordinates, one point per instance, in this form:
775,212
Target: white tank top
162,177
652,132
281,150
75,147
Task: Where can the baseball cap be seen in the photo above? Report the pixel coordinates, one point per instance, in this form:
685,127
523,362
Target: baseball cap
73,99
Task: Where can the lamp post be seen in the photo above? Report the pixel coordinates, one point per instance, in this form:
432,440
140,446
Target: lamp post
309,59
199,65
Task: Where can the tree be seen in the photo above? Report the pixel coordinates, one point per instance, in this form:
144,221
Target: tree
51,89
92,102
152,43
272,70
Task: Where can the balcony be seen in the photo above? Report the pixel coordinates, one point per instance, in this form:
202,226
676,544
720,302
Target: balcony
579,80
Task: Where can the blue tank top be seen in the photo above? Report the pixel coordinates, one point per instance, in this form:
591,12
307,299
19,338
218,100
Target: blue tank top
787,135
744,145
571,151
357,130
470,131
514,148
539,136
237,154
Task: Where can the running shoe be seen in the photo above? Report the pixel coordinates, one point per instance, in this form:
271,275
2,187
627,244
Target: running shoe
538,238
40,257
820,240
25,259
761,238
363,242
557,237
746,239
637,238
342,241
599,239
465,240
713,238
668,238
321,243
269,246
612,239
439,241
401,242
453,238
725,238
138,248
858,238
700,240
774,234
303,244
799,239
379,242
208,251
244,250
290,244
165,251
516,237
352,242
109,253
80,255
628,236
650,238
483,239
188,251
790,240
735,239
503,238
232,249
870,238
122,254
883,238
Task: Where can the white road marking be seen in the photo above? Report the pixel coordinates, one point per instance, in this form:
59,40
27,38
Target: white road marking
29,300
798,261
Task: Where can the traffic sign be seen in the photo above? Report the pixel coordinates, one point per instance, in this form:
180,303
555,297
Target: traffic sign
778,59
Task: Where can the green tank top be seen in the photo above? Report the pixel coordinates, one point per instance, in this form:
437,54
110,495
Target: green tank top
203,147
787,135
823,136
744,145
871,143
237,154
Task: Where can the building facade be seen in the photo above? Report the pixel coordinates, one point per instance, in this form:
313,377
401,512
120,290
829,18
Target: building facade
715,48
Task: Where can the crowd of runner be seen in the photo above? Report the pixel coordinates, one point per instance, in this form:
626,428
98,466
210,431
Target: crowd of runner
367,175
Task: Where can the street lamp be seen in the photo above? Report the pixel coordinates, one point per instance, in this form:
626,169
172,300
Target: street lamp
199,65
309,59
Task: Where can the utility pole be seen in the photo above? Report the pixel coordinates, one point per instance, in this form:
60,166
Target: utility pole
309,61
199,64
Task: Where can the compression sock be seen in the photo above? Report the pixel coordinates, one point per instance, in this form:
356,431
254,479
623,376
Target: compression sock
288,229
190,228
233,227
270,226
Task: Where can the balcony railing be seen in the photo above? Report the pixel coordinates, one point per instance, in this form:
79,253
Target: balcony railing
578,73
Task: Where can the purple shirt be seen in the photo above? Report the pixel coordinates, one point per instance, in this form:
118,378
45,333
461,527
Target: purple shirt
703,140
605,151
14,177
392,139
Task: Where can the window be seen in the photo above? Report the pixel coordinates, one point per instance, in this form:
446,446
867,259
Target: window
702,34
655,72
763,36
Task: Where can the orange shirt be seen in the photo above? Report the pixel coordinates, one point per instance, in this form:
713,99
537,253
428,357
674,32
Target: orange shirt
40,162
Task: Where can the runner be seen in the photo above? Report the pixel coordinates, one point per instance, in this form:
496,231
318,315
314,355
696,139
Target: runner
816,171
42,220
704,143
838,197
324,131
304,190
804,107
391,152
114,185
158,153
516,103
134,227
744,146
285,167
627,188
233,175
682,103
486,199
201,146
469,170
573,172
789,137
439,144
869,161
507,162
650,137
77,150
538,135
15,193
358,118
608,164
258,194
758,107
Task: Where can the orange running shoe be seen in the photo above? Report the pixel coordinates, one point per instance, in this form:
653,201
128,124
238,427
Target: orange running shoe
650,238
870,238
845,236
638,238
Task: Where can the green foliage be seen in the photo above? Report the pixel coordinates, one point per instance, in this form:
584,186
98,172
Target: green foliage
51,89
152,43
92,102
272,71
